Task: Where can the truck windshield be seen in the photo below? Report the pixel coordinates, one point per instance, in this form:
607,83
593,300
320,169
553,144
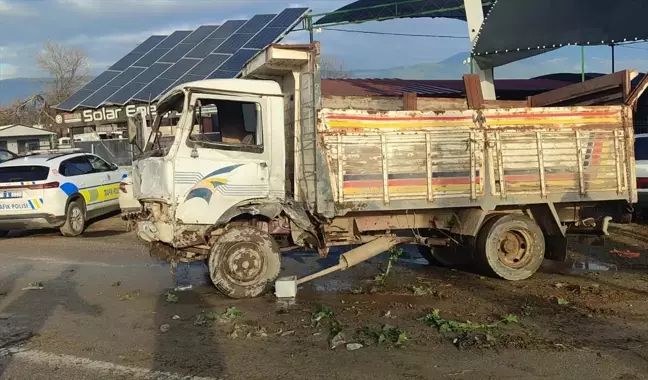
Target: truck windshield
163,128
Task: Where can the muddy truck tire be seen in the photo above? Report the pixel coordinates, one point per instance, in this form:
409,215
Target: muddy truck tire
510,246
244,262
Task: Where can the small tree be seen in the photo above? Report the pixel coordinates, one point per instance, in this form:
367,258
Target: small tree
331,68
68,69
27,112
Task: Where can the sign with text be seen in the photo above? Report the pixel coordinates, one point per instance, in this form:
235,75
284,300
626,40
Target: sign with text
104,115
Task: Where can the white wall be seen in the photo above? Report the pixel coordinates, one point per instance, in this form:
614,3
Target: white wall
11,143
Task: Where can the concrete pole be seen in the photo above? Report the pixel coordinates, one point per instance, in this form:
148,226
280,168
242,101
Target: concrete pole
475,18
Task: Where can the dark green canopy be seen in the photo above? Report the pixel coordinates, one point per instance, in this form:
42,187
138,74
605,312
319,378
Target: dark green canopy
518,29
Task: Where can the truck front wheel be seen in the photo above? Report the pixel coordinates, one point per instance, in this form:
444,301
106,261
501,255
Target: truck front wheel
244,262
511,246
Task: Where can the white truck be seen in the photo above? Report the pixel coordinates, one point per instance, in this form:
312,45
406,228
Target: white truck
274,163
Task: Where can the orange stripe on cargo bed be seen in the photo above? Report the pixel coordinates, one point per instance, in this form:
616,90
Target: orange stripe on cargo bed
411,182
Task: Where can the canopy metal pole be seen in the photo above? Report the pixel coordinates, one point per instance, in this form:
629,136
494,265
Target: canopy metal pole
613,69
582,63
475,18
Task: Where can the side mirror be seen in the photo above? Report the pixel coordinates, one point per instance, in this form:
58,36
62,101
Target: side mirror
132,129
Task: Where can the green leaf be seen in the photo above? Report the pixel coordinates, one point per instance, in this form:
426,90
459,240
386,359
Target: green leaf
171,297
562,302
230,314
402,337
420,290
510,318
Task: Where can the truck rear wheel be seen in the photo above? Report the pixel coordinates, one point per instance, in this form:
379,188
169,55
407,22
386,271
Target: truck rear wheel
244,262
511,246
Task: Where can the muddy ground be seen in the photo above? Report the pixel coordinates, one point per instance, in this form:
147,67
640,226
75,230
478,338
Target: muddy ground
104,306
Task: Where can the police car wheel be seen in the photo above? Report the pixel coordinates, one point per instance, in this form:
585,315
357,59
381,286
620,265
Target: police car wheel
75,222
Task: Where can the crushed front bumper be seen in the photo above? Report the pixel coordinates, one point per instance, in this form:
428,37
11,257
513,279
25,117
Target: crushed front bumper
155,231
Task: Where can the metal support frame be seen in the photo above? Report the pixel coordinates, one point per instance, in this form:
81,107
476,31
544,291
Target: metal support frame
582,63
475,18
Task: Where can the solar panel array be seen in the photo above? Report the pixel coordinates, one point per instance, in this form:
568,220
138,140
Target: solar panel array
162,62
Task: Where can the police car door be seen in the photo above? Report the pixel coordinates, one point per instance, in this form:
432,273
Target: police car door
80,173
109,190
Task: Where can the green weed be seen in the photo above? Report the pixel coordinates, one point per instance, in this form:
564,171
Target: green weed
450,325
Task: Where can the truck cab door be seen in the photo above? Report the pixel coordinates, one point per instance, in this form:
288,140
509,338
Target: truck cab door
225,158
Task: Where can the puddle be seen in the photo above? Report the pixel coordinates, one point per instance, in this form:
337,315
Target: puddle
190,275
302,263
577,266
331,285
592,266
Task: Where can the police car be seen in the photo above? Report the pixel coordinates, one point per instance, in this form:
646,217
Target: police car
59,190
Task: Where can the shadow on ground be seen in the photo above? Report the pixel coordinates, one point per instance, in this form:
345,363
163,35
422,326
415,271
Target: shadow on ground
27,314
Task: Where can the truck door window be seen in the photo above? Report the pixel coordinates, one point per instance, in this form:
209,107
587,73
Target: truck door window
227,124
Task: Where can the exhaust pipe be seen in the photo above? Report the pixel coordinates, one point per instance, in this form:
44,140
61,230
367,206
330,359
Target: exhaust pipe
286,287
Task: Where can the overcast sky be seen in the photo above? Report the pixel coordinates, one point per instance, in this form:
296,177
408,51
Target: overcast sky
108,29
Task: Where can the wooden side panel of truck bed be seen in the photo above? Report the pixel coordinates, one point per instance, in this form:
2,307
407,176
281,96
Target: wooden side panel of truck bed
408,160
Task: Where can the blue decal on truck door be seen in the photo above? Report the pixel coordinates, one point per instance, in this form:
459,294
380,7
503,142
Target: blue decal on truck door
205,188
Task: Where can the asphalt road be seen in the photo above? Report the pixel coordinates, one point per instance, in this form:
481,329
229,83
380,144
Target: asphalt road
104,300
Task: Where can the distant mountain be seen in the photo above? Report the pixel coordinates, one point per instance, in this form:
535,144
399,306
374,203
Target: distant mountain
19,88
565,60
450,68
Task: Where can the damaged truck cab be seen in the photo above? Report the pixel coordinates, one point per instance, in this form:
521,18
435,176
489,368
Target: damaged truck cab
253,164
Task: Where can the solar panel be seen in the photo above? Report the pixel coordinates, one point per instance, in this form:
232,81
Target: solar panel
200,34
152,72
204,48
125,93
179,69
209,64
287,18
177,52
73,101
99,96
221,74
125,62
154,89
227,29
255,24
186,79
126,76
174,39
237,60
149,44
232,44
151,57
265,37
102,79
161,62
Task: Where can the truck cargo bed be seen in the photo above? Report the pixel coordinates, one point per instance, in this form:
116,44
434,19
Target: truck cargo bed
401,160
